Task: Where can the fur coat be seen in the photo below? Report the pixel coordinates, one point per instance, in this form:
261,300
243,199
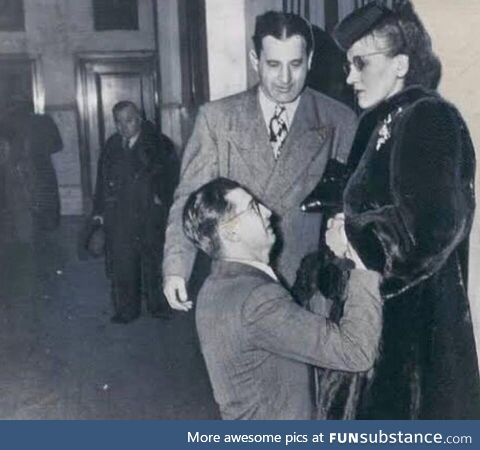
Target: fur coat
409,209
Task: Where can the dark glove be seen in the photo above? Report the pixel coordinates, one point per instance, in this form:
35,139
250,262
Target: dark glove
306,281
327,196
323,272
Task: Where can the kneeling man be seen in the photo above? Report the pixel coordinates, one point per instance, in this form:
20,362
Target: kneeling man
256,341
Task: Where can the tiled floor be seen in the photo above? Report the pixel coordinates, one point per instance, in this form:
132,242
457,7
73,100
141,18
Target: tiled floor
61,358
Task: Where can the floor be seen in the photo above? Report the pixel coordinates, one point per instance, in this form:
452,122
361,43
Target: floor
61,358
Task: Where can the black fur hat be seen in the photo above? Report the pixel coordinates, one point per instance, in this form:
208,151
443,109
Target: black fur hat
359,23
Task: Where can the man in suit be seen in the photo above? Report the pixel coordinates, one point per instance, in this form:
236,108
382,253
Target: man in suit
256,341
132,197
275,139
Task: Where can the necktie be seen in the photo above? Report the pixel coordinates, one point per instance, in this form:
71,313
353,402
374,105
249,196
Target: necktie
126,143
278,129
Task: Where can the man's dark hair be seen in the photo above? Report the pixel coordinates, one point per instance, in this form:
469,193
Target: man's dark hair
203,211
120,106
281,25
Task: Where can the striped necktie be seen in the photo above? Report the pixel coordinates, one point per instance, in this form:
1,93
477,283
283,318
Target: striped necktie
278,129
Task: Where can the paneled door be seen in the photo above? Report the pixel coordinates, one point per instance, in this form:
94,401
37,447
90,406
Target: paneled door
102,81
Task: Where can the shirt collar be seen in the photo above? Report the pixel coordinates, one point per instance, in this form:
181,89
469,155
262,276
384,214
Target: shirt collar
257,264
268,108
133,140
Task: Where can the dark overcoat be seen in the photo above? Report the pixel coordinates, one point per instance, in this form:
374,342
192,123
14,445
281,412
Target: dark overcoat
133,194
33,139
409,209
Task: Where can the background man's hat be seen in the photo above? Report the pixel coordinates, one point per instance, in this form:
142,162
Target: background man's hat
359,23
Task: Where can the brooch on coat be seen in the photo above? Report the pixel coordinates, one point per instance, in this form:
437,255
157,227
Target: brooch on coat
385,131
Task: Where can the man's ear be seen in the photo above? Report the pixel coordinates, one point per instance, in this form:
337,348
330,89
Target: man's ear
227,233
253,59
403,65
309,60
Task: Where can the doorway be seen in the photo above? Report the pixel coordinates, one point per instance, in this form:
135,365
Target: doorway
102,81
19,81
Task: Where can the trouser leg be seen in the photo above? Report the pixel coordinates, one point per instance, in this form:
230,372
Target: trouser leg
126,294
156,302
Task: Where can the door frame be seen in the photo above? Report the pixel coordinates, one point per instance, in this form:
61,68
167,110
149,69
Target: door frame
38,88
84,108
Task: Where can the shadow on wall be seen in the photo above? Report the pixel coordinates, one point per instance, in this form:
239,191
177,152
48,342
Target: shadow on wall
326,74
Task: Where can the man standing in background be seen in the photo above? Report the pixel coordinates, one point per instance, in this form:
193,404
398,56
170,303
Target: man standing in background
135,180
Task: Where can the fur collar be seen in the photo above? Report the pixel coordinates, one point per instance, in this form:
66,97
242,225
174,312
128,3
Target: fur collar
408,96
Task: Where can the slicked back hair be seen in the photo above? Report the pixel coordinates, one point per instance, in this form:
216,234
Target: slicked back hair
203,211
281,25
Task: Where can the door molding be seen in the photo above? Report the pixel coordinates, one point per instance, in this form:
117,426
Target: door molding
85,110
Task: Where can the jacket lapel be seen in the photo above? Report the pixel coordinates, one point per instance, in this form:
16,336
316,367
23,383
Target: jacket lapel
142,158
305,139
249,140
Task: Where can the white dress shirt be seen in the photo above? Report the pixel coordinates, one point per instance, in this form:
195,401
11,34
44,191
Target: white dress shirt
132,141
268,109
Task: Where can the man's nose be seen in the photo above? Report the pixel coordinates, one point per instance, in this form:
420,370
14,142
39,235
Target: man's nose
352,75
285,75
266,213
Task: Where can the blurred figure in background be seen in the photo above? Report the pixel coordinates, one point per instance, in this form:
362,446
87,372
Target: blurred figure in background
29,196
33,139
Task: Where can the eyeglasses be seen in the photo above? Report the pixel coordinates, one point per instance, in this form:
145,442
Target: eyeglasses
359,62
253,205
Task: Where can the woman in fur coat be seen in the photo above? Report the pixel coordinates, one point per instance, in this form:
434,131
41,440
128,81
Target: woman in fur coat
408,213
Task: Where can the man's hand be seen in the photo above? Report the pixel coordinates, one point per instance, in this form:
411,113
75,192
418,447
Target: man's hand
97,219
174,288
336,239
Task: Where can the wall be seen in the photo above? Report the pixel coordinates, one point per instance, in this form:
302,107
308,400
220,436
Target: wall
226,49
55,31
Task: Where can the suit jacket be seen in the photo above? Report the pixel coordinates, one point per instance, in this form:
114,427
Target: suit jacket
257,342
230,139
